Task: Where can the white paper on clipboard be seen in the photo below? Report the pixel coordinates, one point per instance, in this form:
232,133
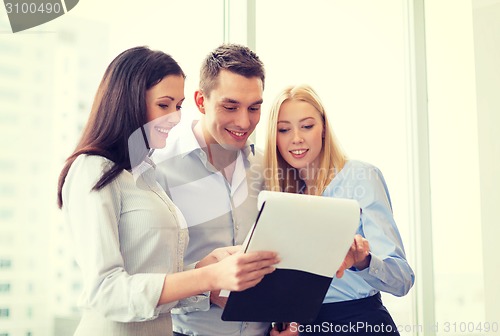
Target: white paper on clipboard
310,233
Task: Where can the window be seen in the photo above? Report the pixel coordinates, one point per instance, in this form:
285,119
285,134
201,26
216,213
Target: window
5,165
4,287
5,263
352,64
4,312
61,72
7,190
6,213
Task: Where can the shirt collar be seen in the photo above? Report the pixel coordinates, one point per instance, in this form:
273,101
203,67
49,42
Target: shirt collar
249,149
189,142
146,166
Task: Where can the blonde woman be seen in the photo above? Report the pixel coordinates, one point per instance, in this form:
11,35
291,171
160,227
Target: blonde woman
303,156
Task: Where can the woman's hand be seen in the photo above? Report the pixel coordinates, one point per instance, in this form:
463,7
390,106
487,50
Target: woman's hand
217,255
240,271
357,256
235,272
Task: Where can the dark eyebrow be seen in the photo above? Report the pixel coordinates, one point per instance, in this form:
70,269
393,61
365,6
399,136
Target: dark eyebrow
229,100
233,101
171,98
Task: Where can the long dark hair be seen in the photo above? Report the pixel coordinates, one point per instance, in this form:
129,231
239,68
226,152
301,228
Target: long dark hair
119,109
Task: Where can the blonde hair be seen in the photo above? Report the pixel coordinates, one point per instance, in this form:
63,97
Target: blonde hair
280,176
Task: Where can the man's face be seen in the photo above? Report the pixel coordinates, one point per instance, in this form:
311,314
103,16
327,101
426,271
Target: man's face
232,111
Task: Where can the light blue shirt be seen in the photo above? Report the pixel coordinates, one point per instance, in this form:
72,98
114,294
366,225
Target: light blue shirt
218,214
126,237
388,270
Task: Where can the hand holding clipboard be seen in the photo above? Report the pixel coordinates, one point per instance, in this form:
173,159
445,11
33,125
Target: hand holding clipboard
312,235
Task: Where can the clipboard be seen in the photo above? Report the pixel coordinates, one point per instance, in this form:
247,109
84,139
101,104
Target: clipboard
312,235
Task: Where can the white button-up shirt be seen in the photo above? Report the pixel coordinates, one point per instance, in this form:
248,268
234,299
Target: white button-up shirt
218,214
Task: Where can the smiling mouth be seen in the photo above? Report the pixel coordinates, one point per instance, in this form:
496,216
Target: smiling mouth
162,130
237,134
298,151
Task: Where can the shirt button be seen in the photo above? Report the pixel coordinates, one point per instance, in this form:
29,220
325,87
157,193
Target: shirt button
237,227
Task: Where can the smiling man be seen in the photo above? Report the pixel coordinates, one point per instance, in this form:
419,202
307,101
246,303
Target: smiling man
213,174
230,104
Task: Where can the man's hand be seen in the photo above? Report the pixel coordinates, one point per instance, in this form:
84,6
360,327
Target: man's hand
218,300
287,331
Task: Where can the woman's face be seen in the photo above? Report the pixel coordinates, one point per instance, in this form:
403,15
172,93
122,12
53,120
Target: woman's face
299,134
163,102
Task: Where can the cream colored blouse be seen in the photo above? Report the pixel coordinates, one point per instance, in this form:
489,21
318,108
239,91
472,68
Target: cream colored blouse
126,238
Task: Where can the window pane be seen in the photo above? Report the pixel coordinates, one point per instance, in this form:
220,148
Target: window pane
453,133
49,78
4,287
354,55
